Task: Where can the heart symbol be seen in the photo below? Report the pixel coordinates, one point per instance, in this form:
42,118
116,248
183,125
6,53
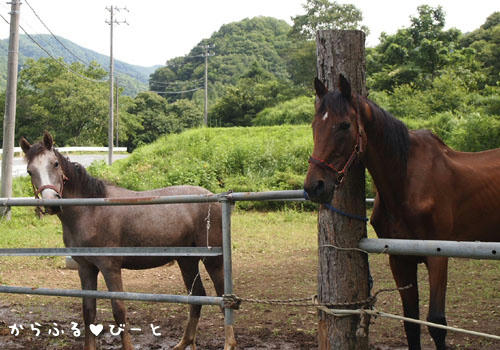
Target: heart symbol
96,329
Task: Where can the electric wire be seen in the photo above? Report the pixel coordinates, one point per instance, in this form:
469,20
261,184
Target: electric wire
53,35
62,63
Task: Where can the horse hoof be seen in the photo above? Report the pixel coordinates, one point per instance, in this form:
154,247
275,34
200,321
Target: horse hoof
183,345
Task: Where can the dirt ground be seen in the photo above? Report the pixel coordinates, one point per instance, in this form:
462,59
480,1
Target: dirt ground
274,257
257,326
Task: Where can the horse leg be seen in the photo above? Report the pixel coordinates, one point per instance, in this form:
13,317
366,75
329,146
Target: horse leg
404,270
192,279
215,269
438,273
88,279
113,278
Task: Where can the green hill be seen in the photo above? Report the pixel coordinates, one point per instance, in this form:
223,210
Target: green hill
132,78
235,47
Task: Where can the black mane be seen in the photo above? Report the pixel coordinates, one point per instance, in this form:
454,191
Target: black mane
392,133
80,179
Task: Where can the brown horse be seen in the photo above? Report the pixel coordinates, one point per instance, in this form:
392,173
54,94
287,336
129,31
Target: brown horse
185,225
425,190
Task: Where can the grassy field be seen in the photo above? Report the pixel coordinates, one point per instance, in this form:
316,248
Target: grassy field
274,256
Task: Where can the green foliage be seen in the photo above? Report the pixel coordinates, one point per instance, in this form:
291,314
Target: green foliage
256,90
132,79
325,14
485,41
51,98
220,159
235,47
299,110
150,116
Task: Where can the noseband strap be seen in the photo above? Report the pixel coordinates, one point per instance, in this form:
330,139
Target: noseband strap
339,173
59,191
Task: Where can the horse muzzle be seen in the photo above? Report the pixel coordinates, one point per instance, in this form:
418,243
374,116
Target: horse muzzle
49,192
319,191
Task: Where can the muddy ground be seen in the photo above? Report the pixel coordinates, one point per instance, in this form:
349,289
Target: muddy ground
257,326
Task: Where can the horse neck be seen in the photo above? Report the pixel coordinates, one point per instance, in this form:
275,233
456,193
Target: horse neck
79,183
383,156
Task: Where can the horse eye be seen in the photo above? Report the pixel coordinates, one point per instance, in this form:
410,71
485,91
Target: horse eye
56,164
344,125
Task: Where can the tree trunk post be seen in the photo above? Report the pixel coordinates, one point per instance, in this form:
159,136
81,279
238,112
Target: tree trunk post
342,275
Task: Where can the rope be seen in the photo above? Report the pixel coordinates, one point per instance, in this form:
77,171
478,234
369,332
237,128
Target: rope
338,211
365,307
233,301
406,319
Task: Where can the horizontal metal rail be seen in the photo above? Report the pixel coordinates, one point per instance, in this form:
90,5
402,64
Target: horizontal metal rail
114,251
78,149
166,298
472,250
295,195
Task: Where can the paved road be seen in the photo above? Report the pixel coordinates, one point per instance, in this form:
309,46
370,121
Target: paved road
19,166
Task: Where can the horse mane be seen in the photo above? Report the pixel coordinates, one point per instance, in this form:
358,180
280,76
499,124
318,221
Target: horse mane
88,186
392,132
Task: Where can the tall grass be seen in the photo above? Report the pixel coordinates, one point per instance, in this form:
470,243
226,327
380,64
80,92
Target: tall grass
219,159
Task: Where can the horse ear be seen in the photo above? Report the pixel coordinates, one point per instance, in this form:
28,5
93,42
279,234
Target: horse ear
48,141
345,87
321,89
25,145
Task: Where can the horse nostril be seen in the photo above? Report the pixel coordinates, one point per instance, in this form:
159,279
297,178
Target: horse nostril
319,187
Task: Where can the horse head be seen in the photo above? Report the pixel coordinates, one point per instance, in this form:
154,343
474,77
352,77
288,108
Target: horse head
338,139
47,176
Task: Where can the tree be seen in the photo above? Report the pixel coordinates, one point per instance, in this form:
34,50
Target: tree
325,14
485,41
319,15
73,109
150,116
415,54
256,90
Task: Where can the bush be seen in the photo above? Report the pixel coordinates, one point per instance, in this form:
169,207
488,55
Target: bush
299,110
219,159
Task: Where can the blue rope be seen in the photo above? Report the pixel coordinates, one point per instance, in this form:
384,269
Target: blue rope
338,211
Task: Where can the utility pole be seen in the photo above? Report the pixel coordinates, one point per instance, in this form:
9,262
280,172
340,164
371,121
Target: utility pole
111,22
9,121
117,111
206,54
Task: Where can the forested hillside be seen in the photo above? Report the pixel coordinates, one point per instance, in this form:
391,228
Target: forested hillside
132,78
260,72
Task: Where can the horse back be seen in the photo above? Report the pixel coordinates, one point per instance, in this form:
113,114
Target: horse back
452,195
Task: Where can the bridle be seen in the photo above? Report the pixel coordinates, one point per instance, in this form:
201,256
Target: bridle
340,174
38,191
358,148
59,191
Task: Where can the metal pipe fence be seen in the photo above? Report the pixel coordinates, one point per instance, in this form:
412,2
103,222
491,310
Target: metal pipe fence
475,250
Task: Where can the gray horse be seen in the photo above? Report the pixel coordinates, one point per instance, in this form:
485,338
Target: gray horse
182,225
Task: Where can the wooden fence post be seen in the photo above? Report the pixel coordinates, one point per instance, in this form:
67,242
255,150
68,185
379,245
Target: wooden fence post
342,275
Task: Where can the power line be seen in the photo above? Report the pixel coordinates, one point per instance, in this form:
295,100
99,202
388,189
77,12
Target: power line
62,63
46,27
177,82
177,92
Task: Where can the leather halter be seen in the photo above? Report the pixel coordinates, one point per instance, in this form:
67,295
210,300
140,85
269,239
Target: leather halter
59,191
339,173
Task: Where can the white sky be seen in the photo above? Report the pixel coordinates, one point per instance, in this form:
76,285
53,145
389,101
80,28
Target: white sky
163,29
